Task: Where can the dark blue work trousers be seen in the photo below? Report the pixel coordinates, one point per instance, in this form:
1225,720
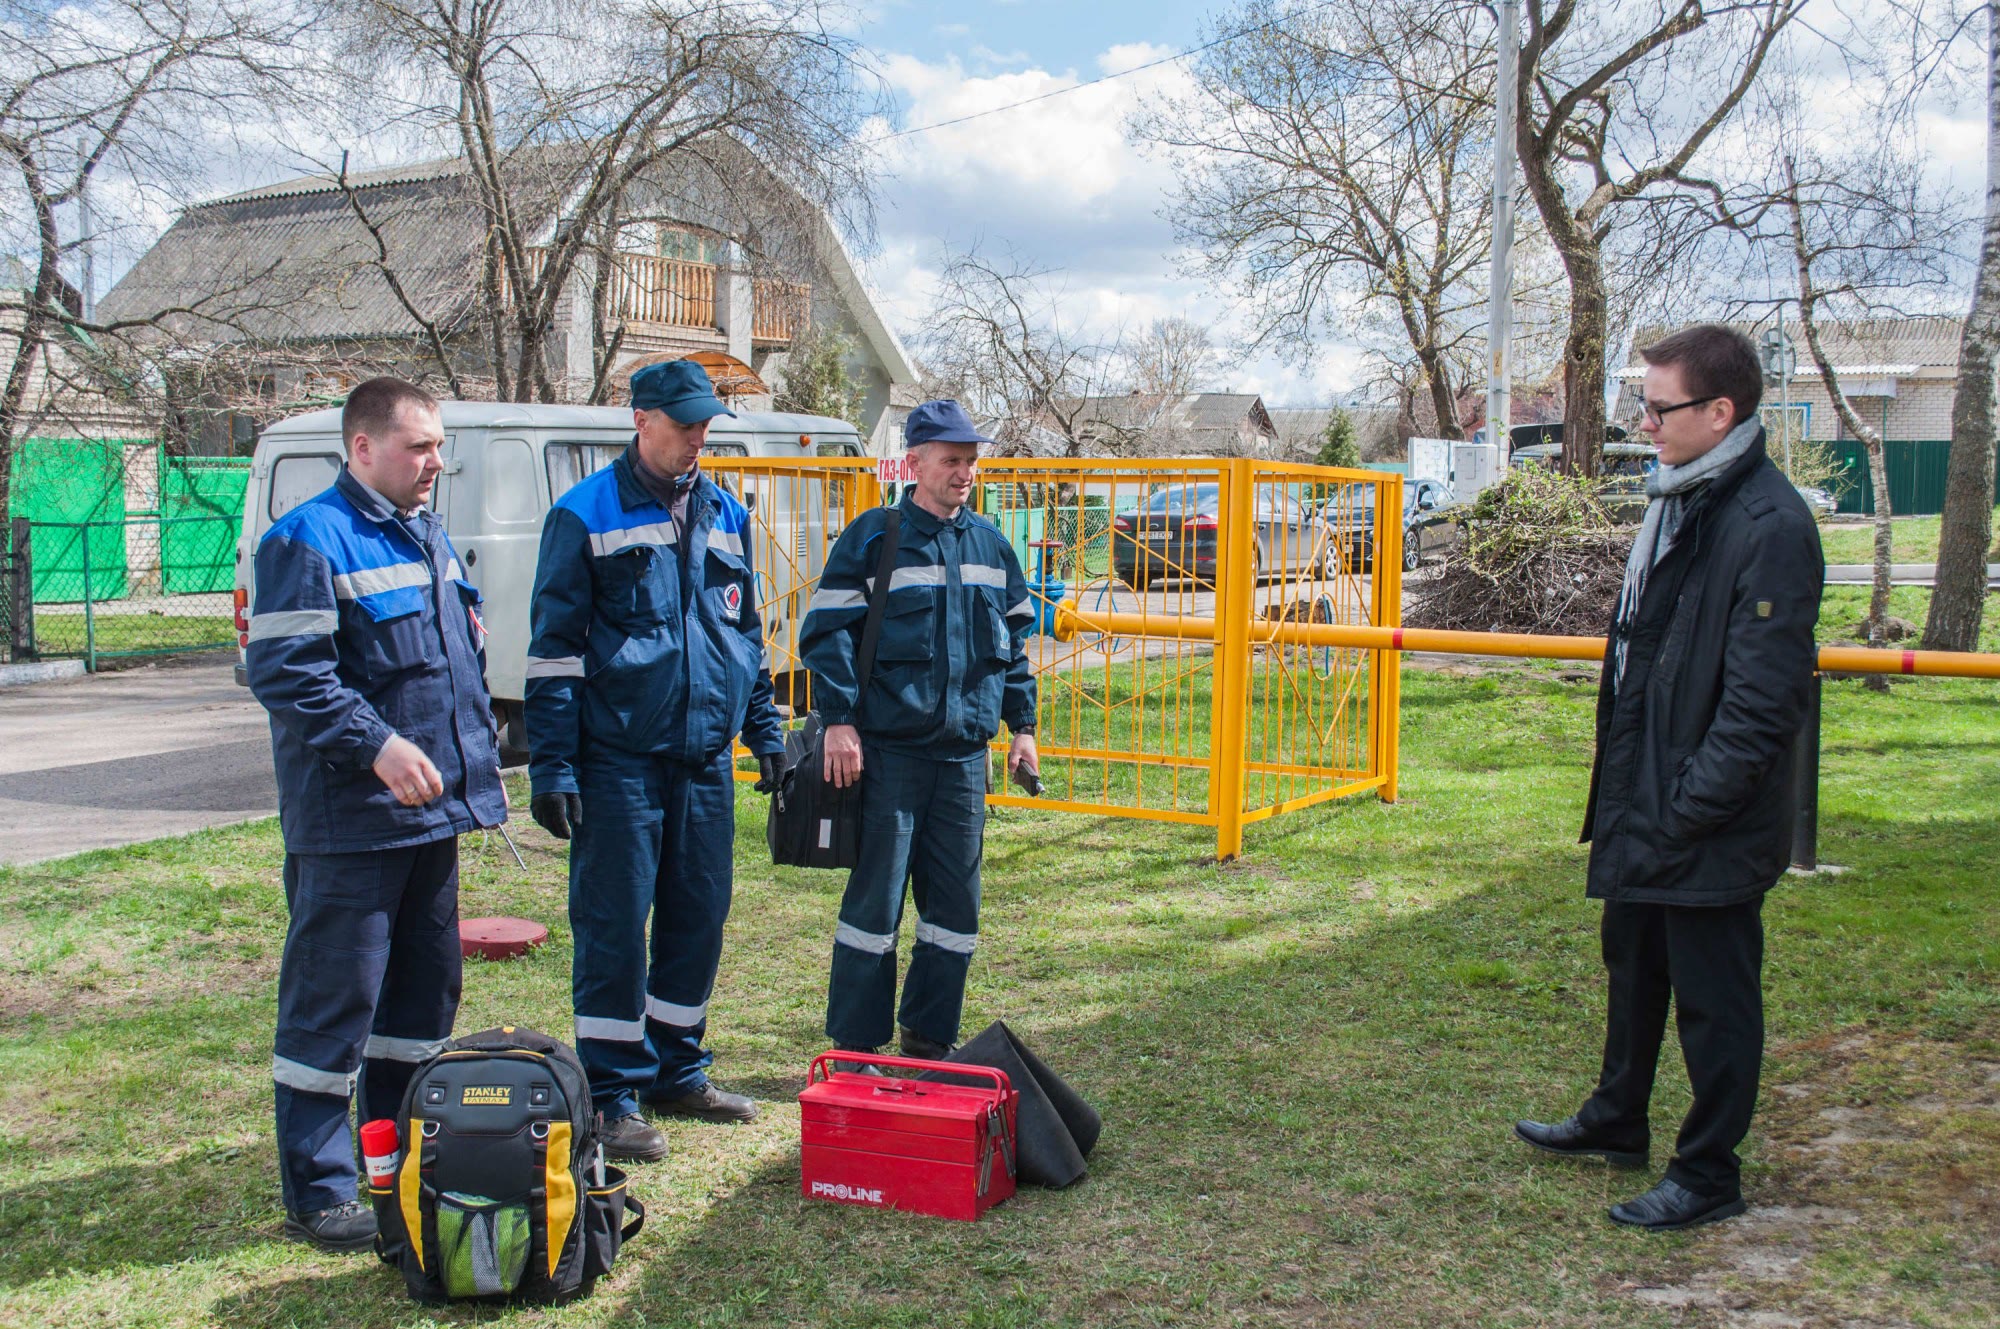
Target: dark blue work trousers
923,823
656,838
367,990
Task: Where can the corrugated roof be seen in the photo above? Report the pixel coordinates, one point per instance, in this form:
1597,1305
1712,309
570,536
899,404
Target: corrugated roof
286,266
414,173
1928,341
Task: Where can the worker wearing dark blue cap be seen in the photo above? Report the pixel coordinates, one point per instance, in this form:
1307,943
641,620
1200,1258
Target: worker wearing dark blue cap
950,666
646,661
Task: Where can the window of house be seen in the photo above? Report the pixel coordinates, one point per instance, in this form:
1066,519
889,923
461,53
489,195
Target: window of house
298,477
1782,421
688,246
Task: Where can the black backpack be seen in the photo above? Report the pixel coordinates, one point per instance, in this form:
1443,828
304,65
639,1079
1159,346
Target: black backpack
502,1191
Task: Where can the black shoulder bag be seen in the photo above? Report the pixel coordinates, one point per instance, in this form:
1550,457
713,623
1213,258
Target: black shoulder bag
813,824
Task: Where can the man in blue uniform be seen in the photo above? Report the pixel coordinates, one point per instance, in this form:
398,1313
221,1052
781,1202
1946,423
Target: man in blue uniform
949,667
367,650
647,660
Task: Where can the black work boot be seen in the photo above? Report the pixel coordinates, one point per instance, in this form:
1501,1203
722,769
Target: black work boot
857,1067
345,1227
633,1139
707,1103
916,1045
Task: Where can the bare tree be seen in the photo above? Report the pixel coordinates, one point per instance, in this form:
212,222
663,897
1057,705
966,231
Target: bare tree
1958,601
121,90
995,340
1616,102
1841,221
580,120
1333,163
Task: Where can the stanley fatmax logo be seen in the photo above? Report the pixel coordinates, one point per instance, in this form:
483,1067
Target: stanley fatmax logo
487,1095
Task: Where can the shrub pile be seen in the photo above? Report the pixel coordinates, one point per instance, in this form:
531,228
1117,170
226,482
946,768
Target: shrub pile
1540,553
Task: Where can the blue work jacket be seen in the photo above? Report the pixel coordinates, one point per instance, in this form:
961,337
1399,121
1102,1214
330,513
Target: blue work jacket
951,663
364,629
645,633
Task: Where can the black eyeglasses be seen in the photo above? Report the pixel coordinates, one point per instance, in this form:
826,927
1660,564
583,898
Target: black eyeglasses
1658,414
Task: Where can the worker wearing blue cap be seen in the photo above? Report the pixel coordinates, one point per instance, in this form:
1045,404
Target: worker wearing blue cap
645,663
950,666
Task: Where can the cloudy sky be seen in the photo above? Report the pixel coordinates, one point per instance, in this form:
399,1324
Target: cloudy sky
1056,181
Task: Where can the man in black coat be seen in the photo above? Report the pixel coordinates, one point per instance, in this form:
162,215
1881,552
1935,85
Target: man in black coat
1705,684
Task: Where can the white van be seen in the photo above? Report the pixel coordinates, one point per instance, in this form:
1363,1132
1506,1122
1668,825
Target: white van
504,464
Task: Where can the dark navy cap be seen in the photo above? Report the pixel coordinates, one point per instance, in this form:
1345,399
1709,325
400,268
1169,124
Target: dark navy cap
940,422
680,388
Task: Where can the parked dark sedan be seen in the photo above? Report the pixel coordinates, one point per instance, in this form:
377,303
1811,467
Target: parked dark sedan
1174,533
1430,522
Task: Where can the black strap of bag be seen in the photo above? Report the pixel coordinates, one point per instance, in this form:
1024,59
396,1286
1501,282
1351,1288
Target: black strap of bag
878,600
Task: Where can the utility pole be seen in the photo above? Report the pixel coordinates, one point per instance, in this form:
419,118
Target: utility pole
1500,291
86,224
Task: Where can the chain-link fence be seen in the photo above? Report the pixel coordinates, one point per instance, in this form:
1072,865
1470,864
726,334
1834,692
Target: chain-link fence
12,597
141,586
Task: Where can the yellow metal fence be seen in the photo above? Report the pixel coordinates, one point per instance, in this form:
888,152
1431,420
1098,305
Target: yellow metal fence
1196,709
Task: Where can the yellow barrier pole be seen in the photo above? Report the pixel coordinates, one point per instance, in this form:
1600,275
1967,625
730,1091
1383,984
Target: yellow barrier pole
1431,641
1389,574
1235,585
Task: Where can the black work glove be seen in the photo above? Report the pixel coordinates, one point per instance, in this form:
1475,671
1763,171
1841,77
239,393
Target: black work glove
557,814
770,773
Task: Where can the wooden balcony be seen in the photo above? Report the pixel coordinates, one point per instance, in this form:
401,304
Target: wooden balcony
780,308
646,288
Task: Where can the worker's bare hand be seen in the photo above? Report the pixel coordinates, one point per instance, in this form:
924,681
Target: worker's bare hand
843,755
403,767
1021,754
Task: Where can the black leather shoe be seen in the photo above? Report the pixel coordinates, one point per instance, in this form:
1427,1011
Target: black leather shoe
345,1227
632,1139
1670,1205
916,1045
706,1103
1571,1140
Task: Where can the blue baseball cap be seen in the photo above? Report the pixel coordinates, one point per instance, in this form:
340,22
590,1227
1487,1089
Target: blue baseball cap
940,422
681,388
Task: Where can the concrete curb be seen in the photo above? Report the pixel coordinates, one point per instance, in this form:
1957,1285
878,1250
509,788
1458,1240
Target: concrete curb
44,671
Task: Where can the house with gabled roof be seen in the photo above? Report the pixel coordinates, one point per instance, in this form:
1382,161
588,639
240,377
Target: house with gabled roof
1189,424
1900,374
306,265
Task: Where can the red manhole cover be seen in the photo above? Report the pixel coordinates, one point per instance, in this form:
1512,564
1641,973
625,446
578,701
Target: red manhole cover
500,938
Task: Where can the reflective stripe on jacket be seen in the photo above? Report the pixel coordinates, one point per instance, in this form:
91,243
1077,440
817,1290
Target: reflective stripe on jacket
365,628
644,633
951,664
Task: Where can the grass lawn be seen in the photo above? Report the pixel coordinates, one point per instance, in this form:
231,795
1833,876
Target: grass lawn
1853,541
67,634
1307,1063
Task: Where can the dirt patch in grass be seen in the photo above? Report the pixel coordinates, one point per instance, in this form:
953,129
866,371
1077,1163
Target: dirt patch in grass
1878,1151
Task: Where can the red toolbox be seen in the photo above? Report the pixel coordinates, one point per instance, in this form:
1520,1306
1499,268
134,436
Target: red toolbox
923,1146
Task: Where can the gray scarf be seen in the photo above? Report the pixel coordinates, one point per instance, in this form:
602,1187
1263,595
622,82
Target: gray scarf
1668,491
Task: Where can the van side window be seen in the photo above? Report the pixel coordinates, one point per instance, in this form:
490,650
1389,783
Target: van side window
296,478
570,462
836,450
510,481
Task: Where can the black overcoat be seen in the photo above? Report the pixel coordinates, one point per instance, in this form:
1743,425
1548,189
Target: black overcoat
1691,799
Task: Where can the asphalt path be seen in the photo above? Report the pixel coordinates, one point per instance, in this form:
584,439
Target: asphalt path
117,758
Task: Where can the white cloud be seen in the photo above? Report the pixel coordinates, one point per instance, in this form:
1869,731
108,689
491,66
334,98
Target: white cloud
1058,183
